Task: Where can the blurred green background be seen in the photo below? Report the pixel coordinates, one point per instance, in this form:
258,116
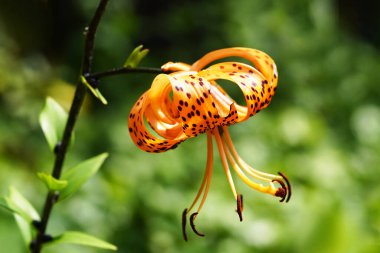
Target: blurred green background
322,128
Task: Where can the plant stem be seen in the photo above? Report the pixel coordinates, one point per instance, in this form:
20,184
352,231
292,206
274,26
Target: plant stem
80,93
61,148
123,70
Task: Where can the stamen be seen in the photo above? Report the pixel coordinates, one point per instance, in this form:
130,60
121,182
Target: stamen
251,171
184,218
206,177
270,189
239,204
192,219
204,188
282,191
289,187
224,161
285,191
209,168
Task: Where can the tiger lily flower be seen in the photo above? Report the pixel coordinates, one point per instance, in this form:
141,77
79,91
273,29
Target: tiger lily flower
188,101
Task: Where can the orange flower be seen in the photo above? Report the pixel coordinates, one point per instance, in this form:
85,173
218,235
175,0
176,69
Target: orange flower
188,101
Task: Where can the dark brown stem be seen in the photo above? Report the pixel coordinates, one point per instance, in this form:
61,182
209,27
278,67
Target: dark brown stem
61,148
80,93
123,70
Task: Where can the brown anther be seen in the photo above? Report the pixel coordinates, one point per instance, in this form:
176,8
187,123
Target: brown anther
282,191
192,218
289,187
184,218
239,205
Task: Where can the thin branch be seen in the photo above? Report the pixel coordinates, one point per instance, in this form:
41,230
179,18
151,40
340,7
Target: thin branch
80,93
123,70
61,148
90,32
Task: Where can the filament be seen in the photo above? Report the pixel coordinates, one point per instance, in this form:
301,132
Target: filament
205,186
255,173
224,161
267,189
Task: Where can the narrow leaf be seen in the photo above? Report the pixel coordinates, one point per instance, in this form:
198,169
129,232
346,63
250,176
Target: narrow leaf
79,174
52,183
21,205
4,204
24,213
25,228
135,57
74,237
101,97
95,91
52,120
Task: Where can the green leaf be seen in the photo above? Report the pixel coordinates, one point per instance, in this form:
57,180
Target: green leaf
24,213
74,237
4,204
79,174
52,183
21,205
135,57
25,228
101,97
95,91
52,120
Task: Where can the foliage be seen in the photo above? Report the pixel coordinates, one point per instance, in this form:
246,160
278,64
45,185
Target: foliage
322,127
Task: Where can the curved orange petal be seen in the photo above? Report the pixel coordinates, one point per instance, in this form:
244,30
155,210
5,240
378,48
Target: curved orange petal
187,102
159,120
175,66
263,62
257,83
250,81
194,103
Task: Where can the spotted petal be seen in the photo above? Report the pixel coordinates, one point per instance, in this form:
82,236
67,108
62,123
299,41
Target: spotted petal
189,101
140,134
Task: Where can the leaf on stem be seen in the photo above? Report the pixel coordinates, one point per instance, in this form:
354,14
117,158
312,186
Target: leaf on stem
95,91
4,204
52,183
79,238
135,57
24,213
79,174
21,205
52,120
